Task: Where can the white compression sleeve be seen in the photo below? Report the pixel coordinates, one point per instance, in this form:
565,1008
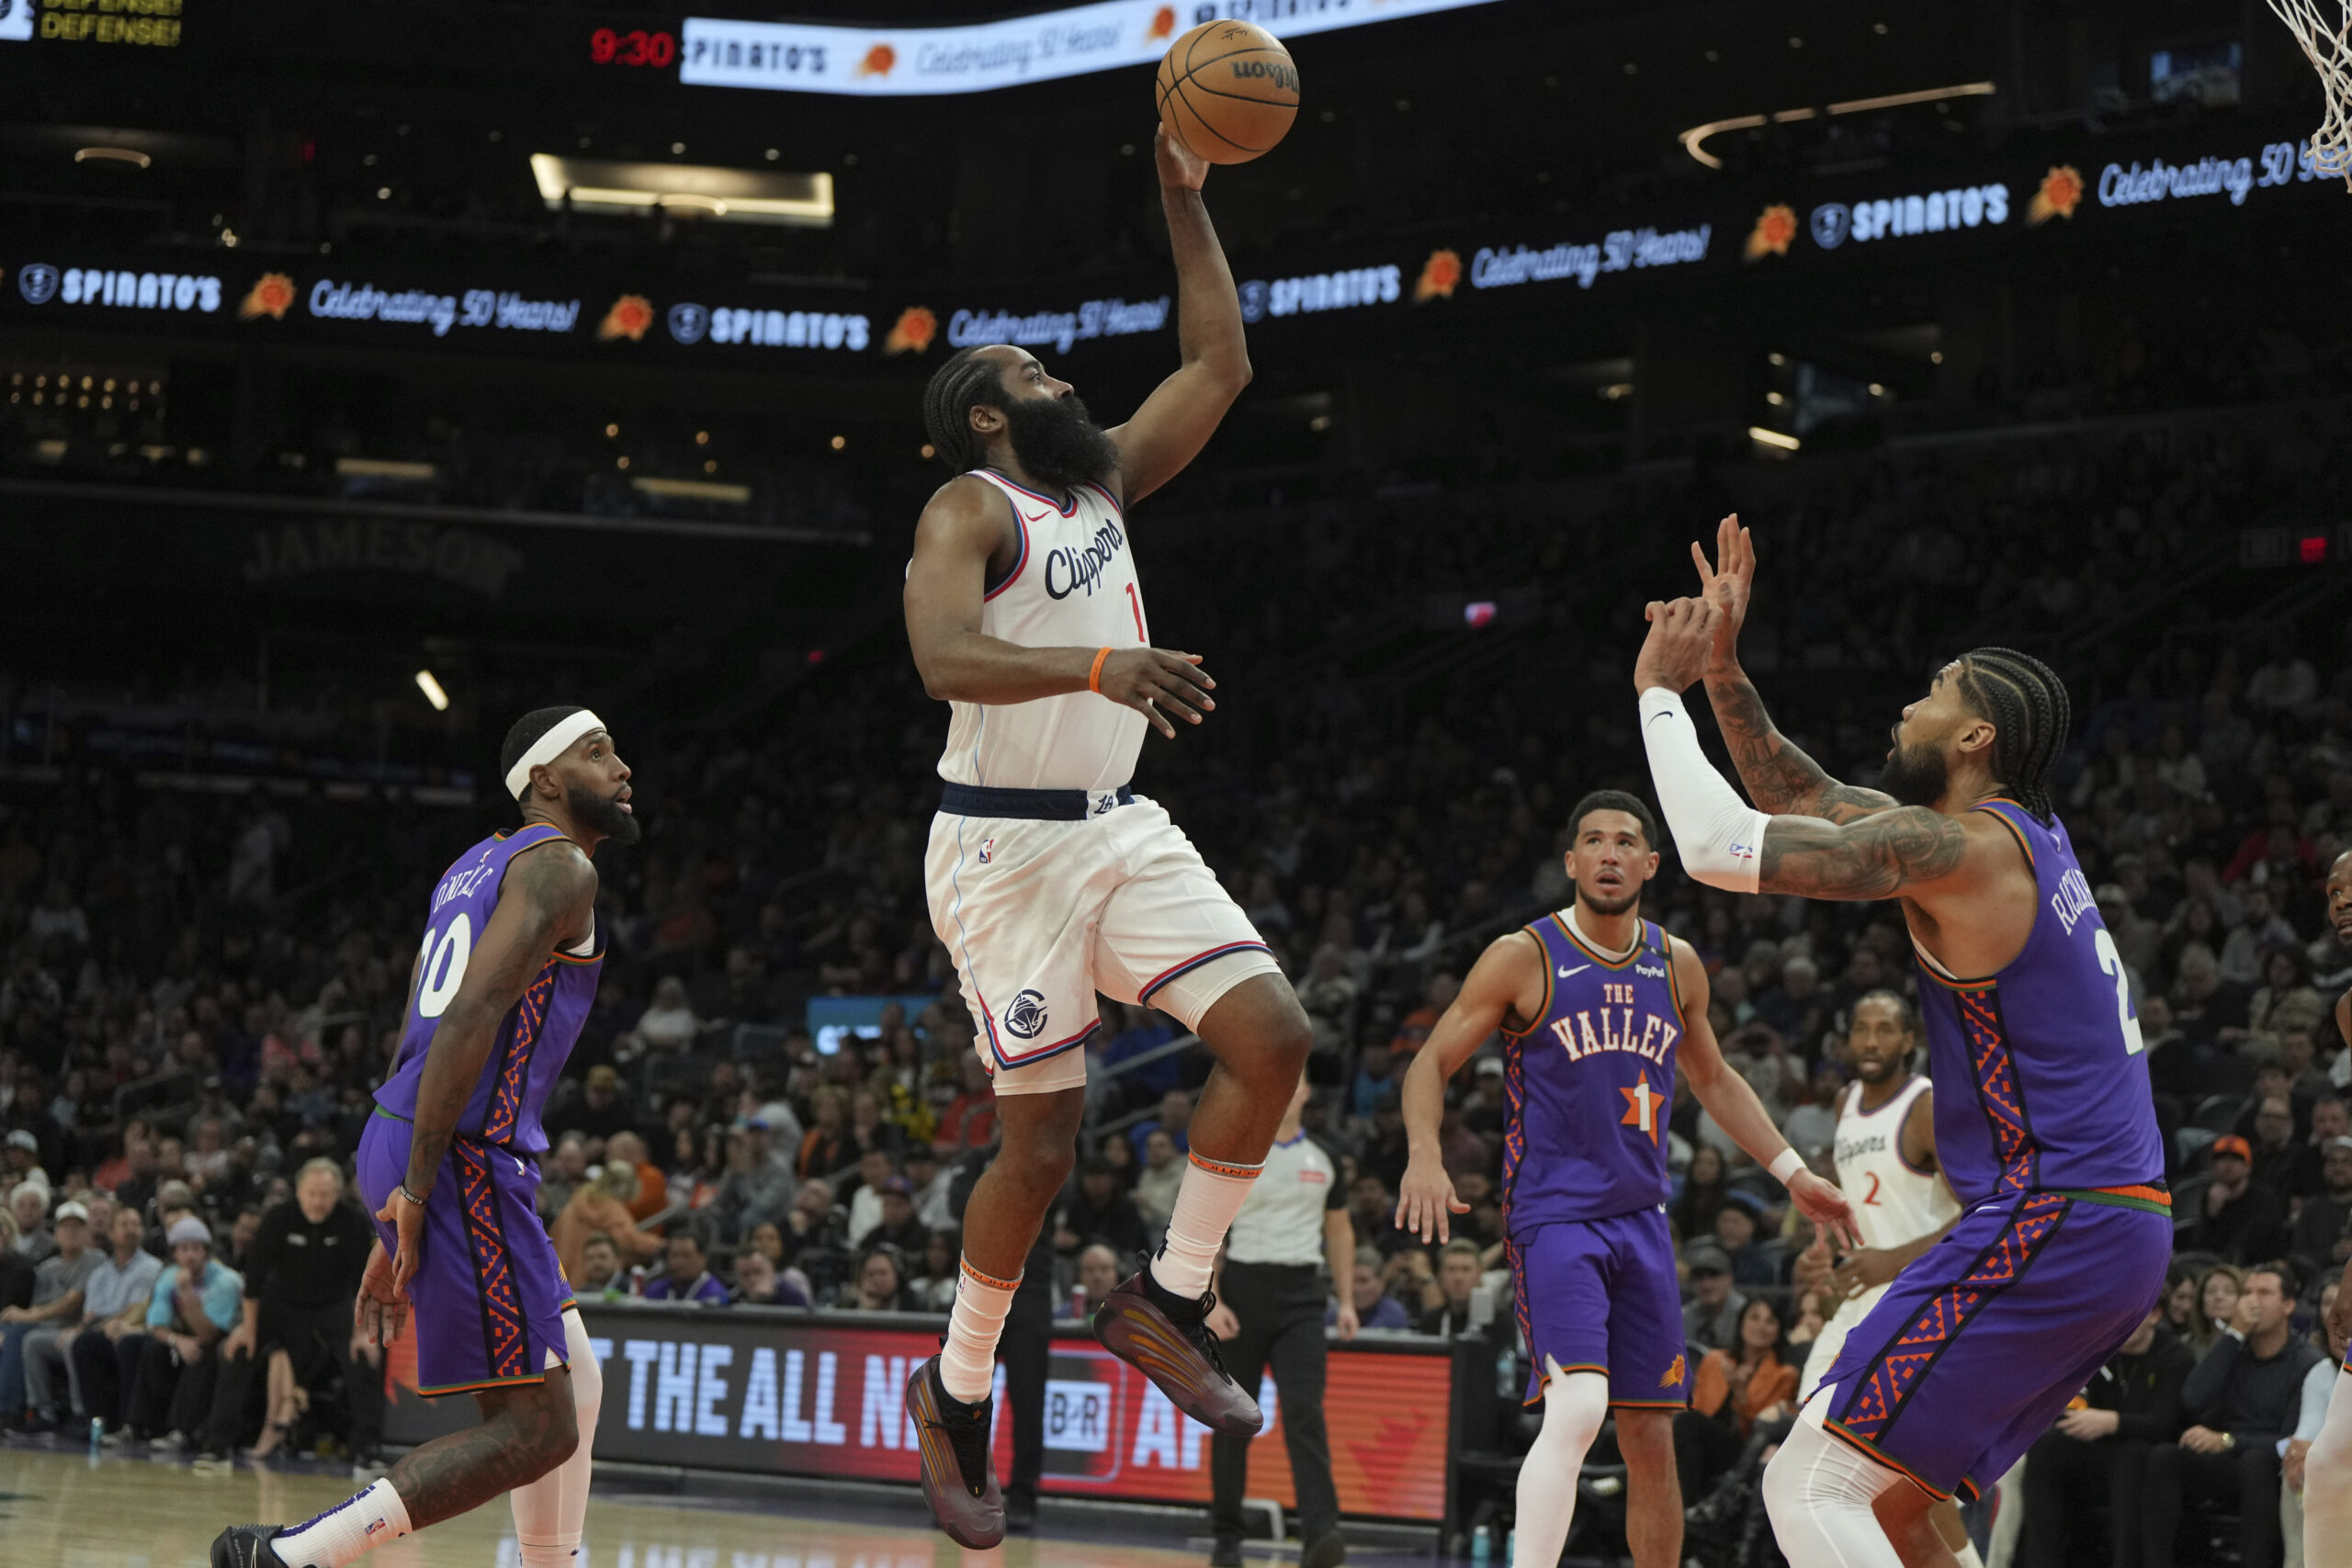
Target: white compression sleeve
2328,1486
551,1513
1820,1493
1575,1405
1719,835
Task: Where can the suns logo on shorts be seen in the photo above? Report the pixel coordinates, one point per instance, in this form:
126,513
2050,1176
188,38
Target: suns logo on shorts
1673,1378
1026,1017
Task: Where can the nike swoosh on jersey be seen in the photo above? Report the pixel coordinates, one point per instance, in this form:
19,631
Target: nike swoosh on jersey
1035,516
1566,972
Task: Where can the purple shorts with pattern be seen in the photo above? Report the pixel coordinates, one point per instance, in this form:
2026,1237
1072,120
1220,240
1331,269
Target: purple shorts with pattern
487,1303
1600,1296
1981,1342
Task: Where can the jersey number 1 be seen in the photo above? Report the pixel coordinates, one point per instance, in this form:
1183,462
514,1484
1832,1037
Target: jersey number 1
444,954
2111,963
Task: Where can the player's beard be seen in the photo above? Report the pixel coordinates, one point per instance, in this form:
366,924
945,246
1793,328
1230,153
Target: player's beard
602,813
1057,442
1916,775
1629,899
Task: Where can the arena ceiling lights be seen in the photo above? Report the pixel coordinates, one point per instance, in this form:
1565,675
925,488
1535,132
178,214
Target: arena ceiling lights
1075,40
1695,140
689,190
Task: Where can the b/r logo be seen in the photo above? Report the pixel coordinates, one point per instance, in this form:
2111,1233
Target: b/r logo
1026,1017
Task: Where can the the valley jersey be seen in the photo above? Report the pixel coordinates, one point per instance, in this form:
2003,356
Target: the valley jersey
1895,1201
1590,1085
1072,585
2042,1077
533,1040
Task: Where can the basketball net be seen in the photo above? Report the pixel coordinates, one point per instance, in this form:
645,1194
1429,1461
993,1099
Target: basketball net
2324,30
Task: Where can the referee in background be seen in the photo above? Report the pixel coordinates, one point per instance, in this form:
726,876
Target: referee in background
1271,1301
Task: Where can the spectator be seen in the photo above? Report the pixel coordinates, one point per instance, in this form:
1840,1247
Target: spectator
929,1181
874,1168
2259,931
827,1146
759,1183
653,1186
1375,1075
600,1276
879,1288
934,1286
601,1207
29,1202
31,1332
757,1284
1098,1275
114,1307
1413,1029
1464,1310
809,1222
1704,1194
2322,1235
567,1169
168,1393
867,1126
1736,1227
2275,1149
2242,1222
1733,1390
686,1275
900,1227
1711,1318
1163,1174
1098,1211
1327,993
969,1121
668,1026
2245,1398
2180,1300
1175,1119
602,1109
1376,1308
2217,1303
2098,1449
302,1272
2205,1007
1812,1127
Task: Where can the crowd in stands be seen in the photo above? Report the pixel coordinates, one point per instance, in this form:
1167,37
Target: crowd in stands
187,1050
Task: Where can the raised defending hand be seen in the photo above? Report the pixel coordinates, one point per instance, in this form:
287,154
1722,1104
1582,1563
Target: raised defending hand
1826,1206
1725,585
1426,1201
1146,679
1675,653
380,1308
1178,169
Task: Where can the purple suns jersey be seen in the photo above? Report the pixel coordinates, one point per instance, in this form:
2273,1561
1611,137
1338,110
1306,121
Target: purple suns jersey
536,1034
1590,1084
2042,1076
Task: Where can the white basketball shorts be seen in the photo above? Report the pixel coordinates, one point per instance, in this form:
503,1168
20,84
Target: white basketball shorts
1042,914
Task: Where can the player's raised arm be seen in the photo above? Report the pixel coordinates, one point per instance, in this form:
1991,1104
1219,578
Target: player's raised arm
1724,843
1729,1099
946,583
1182,412
1502,988
548,901
1779,776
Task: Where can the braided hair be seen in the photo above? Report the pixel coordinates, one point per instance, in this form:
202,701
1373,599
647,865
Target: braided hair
962,382
2031,718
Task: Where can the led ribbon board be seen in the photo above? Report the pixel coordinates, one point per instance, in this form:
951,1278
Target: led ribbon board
790,57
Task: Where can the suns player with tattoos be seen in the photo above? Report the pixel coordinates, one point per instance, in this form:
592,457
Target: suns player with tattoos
2045,1125
450,1164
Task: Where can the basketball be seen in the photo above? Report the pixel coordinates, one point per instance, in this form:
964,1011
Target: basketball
1227,91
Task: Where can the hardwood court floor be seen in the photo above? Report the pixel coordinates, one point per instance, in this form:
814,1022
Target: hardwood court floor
65,1510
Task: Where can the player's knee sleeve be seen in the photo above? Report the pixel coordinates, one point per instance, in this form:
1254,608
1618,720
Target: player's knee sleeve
1575,1405
1819,1491
587,1375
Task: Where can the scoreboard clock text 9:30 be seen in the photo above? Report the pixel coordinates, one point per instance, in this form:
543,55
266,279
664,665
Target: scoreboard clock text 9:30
637,47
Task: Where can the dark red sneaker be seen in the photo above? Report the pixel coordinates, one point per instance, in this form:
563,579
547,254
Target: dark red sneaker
1169,1342
958,1476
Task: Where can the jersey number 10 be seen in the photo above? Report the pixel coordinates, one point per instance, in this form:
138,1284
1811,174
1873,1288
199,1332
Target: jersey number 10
444,966
2111,963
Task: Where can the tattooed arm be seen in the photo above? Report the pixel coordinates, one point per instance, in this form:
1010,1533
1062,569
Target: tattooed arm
1780,777
1900,850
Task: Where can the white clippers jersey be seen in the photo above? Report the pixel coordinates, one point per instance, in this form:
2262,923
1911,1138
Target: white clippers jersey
1895,1203
1073,585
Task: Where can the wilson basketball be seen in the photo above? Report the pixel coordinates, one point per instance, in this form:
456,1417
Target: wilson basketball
1227,91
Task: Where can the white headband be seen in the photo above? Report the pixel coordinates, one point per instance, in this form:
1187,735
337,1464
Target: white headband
549,746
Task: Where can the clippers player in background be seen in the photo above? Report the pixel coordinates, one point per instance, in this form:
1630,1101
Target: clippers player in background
1597,1008
2327,1467
1049,880
1885,1155
500,987
2047,1128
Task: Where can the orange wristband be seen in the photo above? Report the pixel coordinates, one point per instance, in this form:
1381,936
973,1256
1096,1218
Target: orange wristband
1094,675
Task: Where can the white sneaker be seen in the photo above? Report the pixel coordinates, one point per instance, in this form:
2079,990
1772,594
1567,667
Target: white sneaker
170,1443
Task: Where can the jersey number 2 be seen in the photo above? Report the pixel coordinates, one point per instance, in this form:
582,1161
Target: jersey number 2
2111,963
1136,605
445,965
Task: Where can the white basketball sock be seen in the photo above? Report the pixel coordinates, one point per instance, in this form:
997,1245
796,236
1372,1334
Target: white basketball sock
1575,1405
2327,1487
346,1532
1968,1555
1819,1491
551,1513
967,1364
1212,1193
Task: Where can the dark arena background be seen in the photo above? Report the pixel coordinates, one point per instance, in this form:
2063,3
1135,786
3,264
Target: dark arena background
374,373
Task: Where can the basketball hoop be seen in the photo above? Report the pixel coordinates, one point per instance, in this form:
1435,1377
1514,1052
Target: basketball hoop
2327,44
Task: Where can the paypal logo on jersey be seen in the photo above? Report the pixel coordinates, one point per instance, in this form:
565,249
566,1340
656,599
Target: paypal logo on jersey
1068,570
1656,971
1026,1019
